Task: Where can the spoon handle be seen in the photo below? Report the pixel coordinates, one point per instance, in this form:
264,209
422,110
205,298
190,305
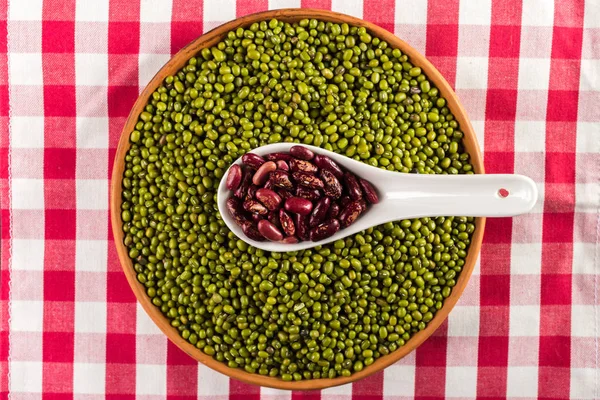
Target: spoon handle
500,195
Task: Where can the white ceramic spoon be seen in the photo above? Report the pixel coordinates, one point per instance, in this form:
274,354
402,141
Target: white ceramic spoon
403,196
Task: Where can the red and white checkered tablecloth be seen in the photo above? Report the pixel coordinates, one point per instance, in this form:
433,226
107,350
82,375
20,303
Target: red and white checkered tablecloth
527,326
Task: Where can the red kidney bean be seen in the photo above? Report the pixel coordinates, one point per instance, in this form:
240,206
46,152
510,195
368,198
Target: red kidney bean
273,218
284,194
334,210
256,217
308,180
234,177
345,200
287,224
254,206
290,240
269,184
297,165
352,186
298,205
369,191
324,230
278,156
269,231
281,179
253,160
262,174
333,187
302,153
350,213
235,210
327,163
319,212
242,190
251,192
309,194
282,165
250,230
301,227
268,198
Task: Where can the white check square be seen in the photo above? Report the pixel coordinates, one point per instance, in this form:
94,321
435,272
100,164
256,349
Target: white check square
144,325
92,132
156,11
461,382
96,11
27,194
583,383
151,380
534,73
464,321
25,376
90,317
589,75
149,64
581,252
212,384
27,255
91,255
350,7
25,68
89,378
524,320
92,194
399,380
25,10
586,196
537,13
474,12
219,11
91,69
276,4
591,15
522,382
588,137
583,320
530,136
26,315
410,12
471,72
526,258
27,132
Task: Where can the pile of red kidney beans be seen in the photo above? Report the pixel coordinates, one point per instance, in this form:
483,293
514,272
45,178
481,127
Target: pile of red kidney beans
295,196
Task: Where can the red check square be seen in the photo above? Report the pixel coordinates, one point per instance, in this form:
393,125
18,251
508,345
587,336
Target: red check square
495,290
557,228
123,37
59,101
58,347
555,351
442,40
59,286
58,36
556,288
566,42
120,348
60,224
501,104
505,41
562,105
121,99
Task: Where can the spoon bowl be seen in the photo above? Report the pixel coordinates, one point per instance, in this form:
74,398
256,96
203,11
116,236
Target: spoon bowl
405,196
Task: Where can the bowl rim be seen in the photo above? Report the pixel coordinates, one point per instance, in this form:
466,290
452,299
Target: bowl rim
210,38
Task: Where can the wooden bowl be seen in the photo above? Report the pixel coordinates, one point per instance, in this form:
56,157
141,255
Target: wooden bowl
177,62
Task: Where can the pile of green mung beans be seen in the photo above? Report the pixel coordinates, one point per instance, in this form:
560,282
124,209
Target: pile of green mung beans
319,313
